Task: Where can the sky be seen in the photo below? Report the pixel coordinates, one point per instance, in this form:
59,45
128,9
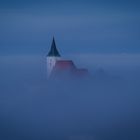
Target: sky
82,26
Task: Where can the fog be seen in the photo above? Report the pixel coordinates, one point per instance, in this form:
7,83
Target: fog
103,106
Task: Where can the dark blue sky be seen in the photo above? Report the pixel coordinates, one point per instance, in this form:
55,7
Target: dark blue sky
80,26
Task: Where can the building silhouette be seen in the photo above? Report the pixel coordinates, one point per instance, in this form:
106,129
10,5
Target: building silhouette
58,67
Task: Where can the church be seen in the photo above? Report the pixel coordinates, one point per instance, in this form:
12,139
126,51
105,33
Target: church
56,66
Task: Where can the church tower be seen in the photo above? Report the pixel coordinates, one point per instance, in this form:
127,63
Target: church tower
52,57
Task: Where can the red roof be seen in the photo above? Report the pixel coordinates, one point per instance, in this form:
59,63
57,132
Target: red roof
65,65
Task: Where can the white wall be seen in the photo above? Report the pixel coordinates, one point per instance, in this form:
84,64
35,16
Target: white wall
51,60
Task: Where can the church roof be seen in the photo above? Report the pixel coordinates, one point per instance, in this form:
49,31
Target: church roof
53,51
64,65
68,68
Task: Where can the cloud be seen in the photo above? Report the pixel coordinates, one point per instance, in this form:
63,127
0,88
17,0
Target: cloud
97,108
110,62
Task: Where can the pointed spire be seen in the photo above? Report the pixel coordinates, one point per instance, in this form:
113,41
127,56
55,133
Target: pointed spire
53,51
